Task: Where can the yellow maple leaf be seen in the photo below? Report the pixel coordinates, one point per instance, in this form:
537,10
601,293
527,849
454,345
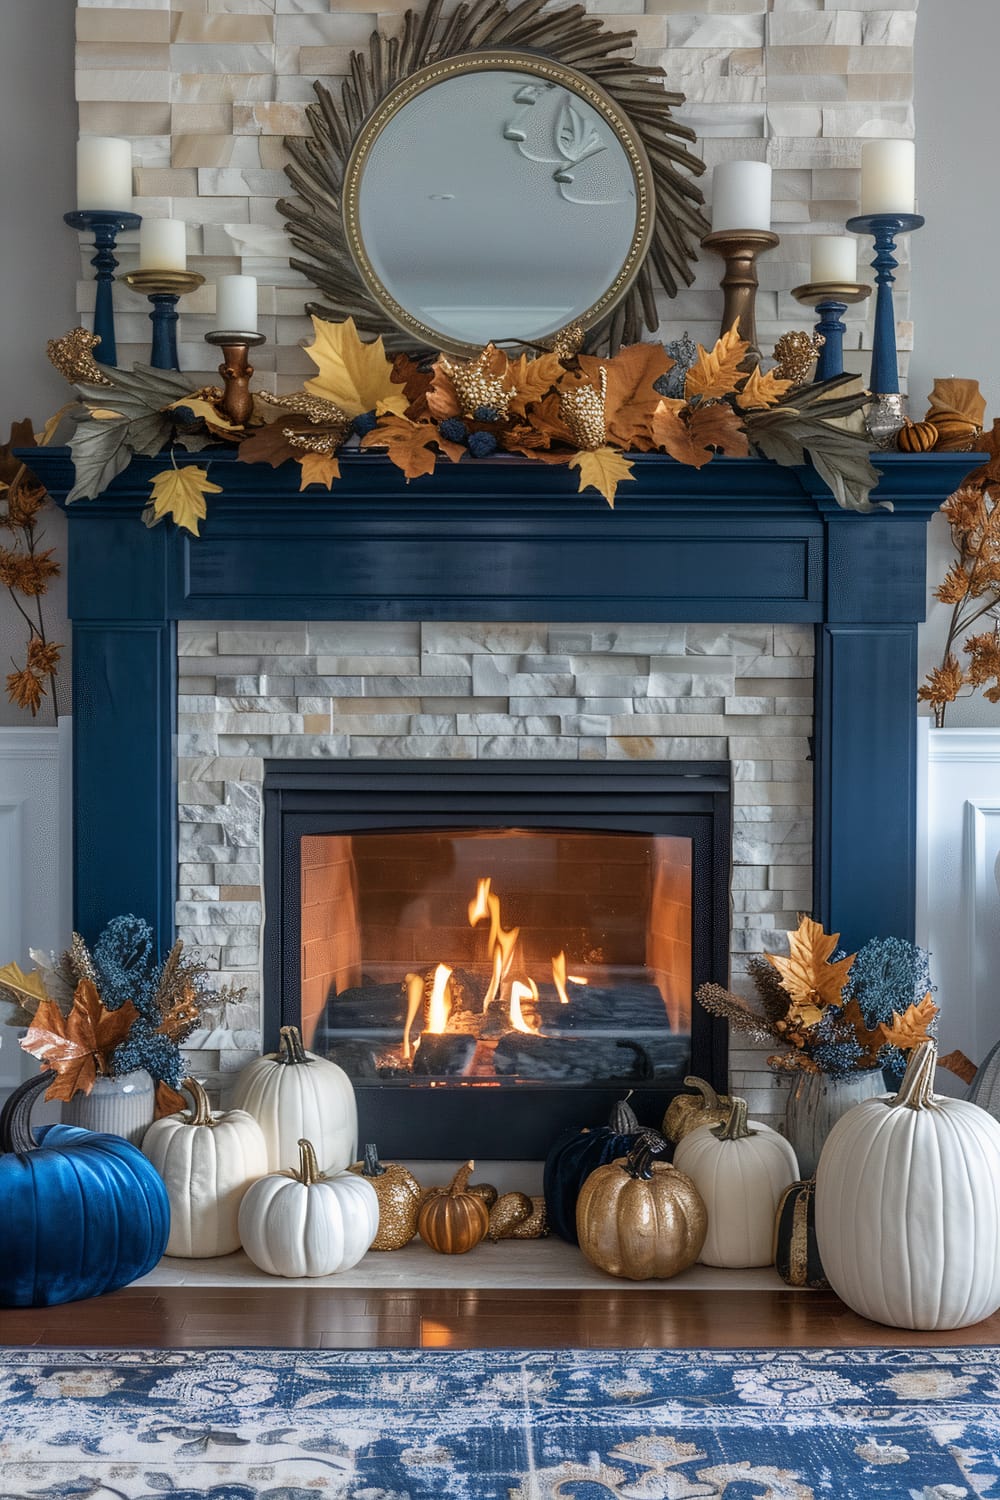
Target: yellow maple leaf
181,493
319,468
213,420
602,469
28,990
354,375
716,372
908,1030
761,390
810,980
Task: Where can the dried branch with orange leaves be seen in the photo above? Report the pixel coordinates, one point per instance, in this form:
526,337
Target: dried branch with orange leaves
972,587
26,570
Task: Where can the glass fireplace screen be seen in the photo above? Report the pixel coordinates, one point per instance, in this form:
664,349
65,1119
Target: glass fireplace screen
498,957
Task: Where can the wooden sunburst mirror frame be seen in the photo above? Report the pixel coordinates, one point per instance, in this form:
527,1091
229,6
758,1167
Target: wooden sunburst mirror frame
320,228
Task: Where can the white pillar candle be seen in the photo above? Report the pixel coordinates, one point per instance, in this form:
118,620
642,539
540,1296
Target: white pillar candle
163,245
741,195
888,177
236,304
104,173
833,257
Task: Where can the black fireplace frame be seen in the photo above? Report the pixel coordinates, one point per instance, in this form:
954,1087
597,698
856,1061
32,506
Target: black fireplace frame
688,798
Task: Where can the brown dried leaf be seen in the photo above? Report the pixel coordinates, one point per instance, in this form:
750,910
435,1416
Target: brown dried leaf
533,379
943,683
318,468
956,1062
168,1101
79,1045
811,980
691,435
716,372
415,381
441,396
908,1030
25,689
955,585
631,397
410,445
270,445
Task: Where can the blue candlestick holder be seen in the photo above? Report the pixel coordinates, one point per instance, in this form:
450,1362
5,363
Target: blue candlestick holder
831,300
885,230
163,288
107,225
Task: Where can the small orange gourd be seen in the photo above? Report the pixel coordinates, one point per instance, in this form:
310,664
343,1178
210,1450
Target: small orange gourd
956,434
454,1221
917,437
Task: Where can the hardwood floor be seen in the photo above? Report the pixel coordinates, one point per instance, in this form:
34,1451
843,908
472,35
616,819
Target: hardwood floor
305,1317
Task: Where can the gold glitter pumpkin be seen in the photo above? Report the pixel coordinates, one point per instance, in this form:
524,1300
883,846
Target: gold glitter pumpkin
640,1218
688,1111
398,1194
510,1210
916,437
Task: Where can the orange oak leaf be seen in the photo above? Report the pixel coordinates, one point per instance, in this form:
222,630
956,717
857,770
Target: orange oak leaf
441,397
810,980
692,435
78,1046
908,1030
631,397
761,390
318,468
410,445
716,371
415,381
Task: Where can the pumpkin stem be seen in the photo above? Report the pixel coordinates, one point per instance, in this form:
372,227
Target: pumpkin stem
460,1180
639,1162
372,1167
15,1118
705,1089
292,1051
309,1171
736,1127
202,1112
917,1088
623,1119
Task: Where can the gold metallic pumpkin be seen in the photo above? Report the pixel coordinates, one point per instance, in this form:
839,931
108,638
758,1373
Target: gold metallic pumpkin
455,1220
917,437
398,1193
640,1218
688,1111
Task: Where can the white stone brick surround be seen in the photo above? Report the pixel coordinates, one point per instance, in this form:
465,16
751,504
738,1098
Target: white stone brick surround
249,692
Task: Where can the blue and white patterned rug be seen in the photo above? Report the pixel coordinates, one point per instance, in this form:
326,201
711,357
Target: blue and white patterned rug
917,1424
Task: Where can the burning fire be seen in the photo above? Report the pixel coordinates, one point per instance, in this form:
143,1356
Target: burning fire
438,1009
519,992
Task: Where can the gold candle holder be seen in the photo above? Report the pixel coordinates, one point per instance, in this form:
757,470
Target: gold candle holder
236,371
739,248
163,288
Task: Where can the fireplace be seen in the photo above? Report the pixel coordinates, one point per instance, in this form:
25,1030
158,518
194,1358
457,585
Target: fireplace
492,953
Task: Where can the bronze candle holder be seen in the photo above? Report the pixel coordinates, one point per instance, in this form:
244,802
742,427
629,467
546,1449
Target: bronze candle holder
236,371
739,248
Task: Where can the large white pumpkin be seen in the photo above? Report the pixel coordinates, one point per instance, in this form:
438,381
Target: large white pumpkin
207,1163
740,1168
908,1206
294,1094
305,1223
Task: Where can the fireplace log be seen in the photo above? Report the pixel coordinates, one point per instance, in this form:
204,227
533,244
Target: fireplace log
367,1005
618,1008
576,1059
356,1058
444,1055
670,1055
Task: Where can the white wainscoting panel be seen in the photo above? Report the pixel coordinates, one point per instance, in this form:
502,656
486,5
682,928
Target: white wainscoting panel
35,860
958,912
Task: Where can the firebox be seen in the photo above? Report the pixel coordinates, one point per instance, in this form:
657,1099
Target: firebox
493,953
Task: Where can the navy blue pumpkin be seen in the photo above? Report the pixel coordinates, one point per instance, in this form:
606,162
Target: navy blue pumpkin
577,1153
82,1213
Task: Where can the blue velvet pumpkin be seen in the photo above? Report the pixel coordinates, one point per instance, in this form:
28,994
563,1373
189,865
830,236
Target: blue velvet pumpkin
575,1154
82,1213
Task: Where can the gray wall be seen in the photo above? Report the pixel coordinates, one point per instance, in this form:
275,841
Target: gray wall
38,257
957,117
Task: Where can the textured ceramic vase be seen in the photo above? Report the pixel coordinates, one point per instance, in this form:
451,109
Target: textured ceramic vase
817,1102
115,1106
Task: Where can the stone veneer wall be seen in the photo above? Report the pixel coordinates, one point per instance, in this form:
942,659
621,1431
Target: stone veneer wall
207,90
488,692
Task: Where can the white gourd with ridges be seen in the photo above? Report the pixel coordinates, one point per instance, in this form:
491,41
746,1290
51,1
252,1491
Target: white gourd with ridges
741,1169
294,1094
908,1206
207,1162
306,1223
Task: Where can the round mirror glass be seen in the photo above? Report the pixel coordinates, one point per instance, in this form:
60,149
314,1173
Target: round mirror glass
497,198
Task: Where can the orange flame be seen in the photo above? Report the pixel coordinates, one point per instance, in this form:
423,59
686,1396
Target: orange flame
559,976
519,992
437,1010
479,908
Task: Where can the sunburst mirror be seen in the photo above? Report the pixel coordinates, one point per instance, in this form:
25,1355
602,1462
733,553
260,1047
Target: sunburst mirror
502,174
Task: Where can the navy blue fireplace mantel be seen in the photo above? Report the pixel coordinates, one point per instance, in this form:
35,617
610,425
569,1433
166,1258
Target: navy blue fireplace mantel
740,540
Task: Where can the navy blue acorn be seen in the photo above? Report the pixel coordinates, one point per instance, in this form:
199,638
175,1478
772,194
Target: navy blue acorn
482,444
452,429
365,423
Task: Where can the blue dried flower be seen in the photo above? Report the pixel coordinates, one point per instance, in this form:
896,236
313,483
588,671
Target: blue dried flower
482,444
127,965
486,414
146,1048
886,977
452,429
683,352
365,423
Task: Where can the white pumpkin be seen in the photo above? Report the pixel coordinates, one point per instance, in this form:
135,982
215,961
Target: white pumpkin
305,1223
294,1094
207,1163
908,1206
740,1168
